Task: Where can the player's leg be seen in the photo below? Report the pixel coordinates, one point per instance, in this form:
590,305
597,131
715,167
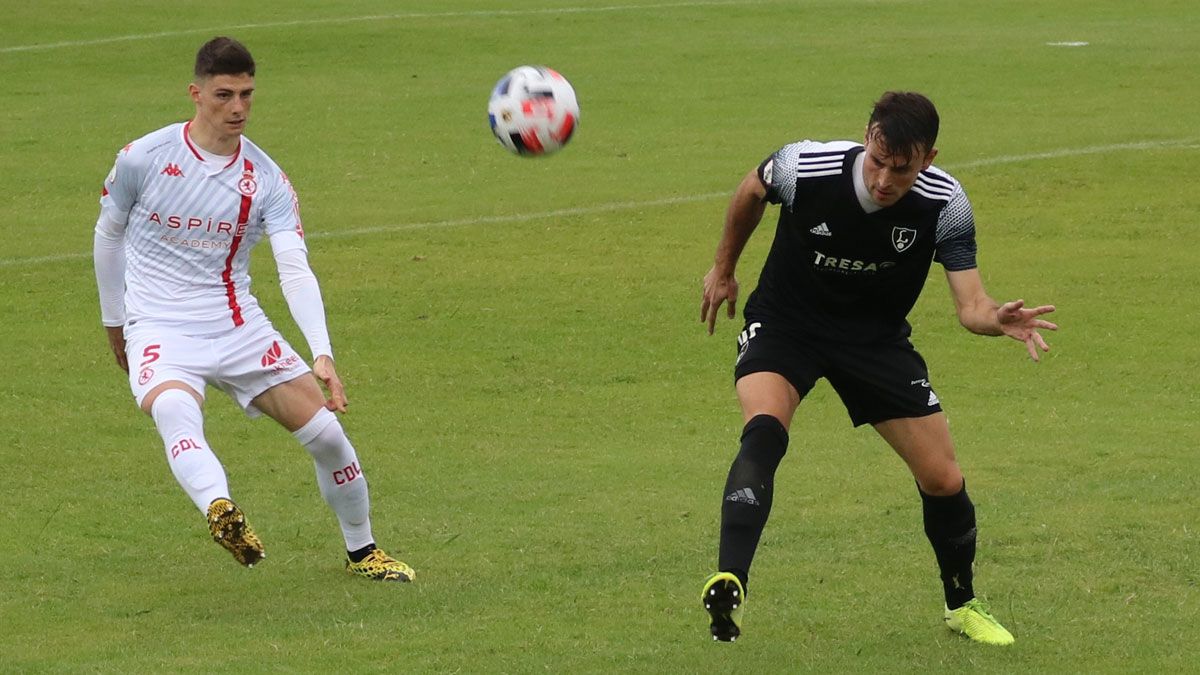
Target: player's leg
176,409
299,406
772,374
166,384
887,385
925,445
768,403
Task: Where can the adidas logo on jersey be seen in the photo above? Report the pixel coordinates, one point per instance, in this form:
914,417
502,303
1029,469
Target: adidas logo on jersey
822,230
933,399
172,170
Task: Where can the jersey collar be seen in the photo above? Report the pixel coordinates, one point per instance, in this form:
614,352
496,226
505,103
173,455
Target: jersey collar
860,186
187,138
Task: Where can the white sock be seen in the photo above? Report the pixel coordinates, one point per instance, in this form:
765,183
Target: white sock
342,482
181,425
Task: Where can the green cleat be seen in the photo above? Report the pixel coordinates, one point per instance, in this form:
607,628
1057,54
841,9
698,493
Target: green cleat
724,599
974,621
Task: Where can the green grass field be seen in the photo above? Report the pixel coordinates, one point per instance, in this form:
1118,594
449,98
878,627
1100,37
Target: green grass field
545,425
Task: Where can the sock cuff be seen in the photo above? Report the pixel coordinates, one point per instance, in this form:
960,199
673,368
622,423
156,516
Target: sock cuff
938,500
313,428
767,424
171,398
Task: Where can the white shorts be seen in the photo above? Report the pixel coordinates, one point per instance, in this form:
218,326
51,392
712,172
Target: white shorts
243,362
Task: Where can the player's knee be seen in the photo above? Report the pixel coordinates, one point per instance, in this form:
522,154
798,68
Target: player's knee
170,401
764,442
323,434
943,483
766,428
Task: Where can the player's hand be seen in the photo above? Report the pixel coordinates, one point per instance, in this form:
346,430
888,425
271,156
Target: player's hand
116,342
718,287
1022,324
327,374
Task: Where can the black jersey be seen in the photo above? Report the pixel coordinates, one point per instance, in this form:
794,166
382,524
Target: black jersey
836,271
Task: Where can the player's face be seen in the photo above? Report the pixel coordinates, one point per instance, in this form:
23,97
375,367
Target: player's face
888,175
223,102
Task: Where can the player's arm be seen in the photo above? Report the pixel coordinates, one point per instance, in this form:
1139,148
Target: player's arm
303,296
977,311
108,257
108,250
982,315
743,215
281,217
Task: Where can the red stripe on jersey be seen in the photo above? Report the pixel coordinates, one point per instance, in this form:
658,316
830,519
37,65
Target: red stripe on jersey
238,233
103,191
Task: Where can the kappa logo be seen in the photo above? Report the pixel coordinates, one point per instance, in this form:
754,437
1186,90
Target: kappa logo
822,229
902,238
743,496
172,170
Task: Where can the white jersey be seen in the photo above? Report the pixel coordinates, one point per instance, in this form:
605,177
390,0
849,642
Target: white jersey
190,225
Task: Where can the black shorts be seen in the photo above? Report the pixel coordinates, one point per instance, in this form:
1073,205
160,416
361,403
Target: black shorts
876,381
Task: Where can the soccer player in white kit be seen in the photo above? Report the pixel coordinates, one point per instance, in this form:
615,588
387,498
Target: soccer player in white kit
180,211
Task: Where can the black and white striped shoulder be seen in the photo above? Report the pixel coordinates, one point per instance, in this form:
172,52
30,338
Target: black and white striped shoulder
814,159
802,160
934,183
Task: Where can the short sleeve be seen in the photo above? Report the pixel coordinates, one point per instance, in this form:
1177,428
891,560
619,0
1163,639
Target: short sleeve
281,215
121,186
778,172
955,241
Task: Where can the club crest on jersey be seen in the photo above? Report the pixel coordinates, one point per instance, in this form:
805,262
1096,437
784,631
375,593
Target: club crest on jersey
247,185
902,238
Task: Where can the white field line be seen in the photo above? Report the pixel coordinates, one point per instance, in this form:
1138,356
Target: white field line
1189,144
377,17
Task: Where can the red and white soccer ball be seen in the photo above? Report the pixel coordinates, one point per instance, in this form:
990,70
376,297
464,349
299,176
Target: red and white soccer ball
533,111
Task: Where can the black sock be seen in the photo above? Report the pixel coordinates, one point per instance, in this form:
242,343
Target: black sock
950,526
357,556
747,497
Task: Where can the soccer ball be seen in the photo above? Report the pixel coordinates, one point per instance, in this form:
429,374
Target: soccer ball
533,111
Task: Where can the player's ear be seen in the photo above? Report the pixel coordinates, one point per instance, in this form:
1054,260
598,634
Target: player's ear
194,92
929,158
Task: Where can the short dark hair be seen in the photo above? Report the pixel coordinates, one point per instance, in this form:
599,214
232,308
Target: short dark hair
906,121
223,56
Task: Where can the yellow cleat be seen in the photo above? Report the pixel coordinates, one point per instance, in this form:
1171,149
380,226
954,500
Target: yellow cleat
381,567
229,528
724,599
974,621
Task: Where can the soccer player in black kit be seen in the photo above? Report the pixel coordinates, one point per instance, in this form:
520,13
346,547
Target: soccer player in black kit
859,226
